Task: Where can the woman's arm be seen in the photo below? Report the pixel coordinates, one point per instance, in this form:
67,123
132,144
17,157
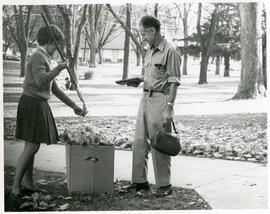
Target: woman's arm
65,99
40,74
61,95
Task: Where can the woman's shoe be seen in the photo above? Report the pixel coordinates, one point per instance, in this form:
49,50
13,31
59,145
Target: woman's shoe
27,191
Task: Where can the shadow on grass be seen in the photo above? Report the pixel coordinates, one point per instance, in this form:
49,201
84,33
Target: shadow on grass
53,196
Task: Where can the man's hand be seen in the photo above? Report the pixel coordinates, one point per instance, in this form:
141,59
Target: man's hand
134,83
167,116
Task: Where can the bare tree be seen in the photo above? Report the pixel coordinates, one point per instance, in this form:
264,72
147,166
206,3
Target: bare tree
135,48
73,50
251,83
183,15
7,37
20,31
206,43
102,31
130,33
127,43
133,37
93,20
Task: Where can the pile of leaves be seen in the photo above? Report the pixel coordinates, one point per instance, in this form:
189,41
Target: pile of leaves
84,135
53,196
232,137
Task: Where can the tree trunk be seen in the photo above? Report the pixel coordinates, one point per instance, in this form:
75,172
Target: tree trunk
138,55
217,65
100,57
206,46
156,10
185,46
74,76
23,60
203,70
127,45
264,60
84,50
226,65
92,37
251,83
185,64
21,36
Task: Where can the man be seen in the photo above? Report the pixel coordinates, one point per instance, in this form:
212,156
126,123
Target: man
161,79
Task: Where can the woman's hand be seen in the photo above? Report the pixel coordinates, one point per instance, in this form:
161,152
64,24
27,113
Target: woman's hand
61,66
80,111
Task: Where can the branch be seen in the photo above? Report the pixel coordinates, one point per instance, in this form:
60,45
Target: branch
13,34
47,13
199,26
17,21
125,27
21,22
179,10
97,14
88,37
27,22
189,7
64,13
78,37
107,38
212,30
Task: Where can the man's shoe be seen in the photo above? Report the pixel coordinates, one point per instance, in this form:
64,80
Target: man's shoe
139,186
164,191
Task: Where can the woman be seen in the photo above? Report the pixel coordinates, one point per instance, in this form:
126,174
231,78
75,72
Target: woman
35,122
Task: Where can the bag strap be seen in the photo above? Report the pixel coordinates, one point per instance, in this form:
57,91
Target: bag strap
174,127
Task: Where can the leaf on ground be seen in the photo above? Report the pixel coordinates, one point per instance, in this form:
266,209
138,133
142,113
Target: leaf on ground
26,204
47,198
43,205
35,196
63,207
42,182
67,198
26,197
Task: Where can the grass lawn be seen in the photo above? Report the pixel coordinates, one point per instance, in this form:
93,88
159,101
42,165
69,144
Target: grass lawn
53,196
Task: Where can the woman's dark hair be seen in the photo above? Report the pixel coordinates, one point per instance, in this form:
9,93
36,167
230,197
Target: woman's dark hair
44,37
150,21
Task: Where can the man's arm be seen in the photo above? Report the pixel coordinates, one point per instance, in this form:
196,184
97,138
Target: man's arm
174,62
172,93
169,111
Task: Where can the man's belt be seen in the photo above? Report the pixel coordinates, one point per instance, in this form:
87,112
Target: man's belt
151,90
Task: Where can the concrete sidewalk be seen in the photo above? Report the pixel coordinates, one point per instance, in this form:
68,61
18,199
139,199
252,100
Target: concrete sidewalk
224,184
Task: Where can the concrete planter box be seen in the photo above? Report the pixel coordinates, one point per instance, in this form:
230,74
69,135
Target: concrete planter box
90,168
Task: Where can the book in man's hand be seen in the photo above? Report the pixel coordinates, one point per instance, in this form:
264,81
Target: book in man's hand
129,80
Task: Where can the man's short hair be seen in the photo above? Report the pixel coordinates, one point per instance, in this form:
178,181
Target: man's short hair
150,21
44,37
